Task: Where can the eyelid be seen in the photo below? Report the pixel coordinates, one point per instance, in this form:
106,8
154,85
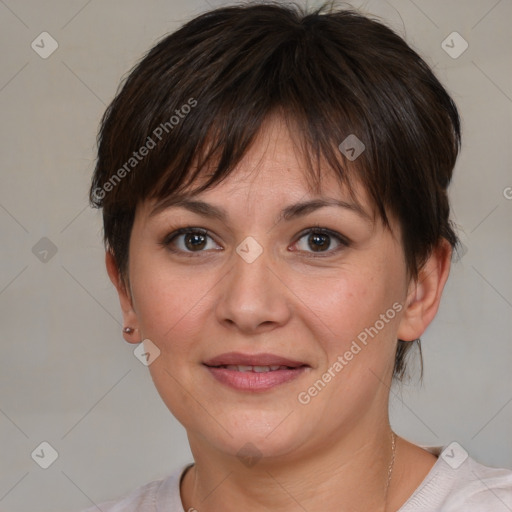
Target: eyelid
181,231
319,229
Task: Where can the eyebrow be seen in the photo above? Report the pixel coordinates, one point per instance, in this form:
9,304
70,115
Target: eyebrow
292,211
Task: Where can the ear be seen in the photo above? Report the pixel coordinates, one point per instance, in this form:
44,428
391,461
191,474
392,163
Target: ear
424,294
129,315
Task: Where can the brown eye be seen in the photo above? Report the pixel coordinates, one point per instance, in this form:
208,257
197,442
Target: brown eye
321,241
195,241
190,240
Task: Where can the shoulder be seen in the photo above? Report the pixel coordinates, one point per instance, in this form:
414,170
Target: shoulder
163,494
458,483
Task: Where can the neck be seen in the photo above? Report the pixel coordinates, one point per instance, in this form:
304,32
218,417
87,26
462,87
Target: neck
347,475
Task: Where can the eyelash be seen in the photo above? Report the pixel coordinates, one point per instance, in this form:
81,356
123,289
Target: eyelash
169,239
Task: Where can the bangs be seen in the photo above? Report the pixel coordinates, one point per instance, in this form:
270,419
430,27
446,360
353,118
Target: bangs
224,148
209,128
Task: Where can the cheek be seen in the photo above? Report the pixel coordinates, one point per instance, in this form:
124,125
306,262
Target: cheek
350,302
362,310
169,307
362,313
169,301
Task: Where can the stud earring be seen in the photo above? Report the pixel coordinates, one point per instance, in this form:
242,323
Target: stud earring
128,330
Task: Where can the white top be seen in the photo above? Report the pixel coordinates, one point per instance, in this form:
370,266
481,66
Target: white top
456,483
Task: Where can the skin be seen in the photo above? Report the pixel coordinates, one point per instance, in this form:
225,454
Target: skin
333,453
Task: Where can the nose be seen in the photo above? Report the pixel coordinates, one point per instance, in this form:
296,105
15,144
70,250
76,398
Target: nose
254,298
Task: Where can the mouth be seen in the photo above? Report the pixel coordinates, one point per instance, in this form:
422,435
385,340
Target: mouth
257,372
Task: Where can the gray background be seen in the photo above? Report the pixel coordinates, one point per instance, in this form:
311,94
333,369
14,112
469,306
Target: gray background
66,375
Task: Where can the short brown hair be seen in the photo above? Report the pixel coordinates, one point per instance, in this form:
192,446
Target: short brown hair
201,95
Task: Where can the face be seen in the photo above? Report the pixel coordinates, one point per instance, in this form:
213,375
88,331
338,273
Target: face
275,329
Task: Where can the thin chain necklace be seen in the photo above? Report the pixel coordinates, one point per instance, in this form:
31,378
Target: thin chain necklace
391,464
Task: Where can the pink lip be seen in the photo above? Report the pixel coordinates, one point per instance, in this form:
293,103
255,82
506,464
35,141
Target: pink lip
250,380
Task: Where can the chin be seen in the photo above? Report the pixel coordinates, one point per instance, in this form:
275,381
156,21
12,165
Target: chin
254,435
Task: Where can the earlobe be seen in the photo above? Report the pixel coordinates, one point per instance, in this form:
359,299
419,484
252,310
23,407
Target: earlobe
129,316
425,293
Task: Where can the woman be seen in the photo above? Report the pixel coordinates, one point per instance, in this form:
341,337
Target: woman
274,193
